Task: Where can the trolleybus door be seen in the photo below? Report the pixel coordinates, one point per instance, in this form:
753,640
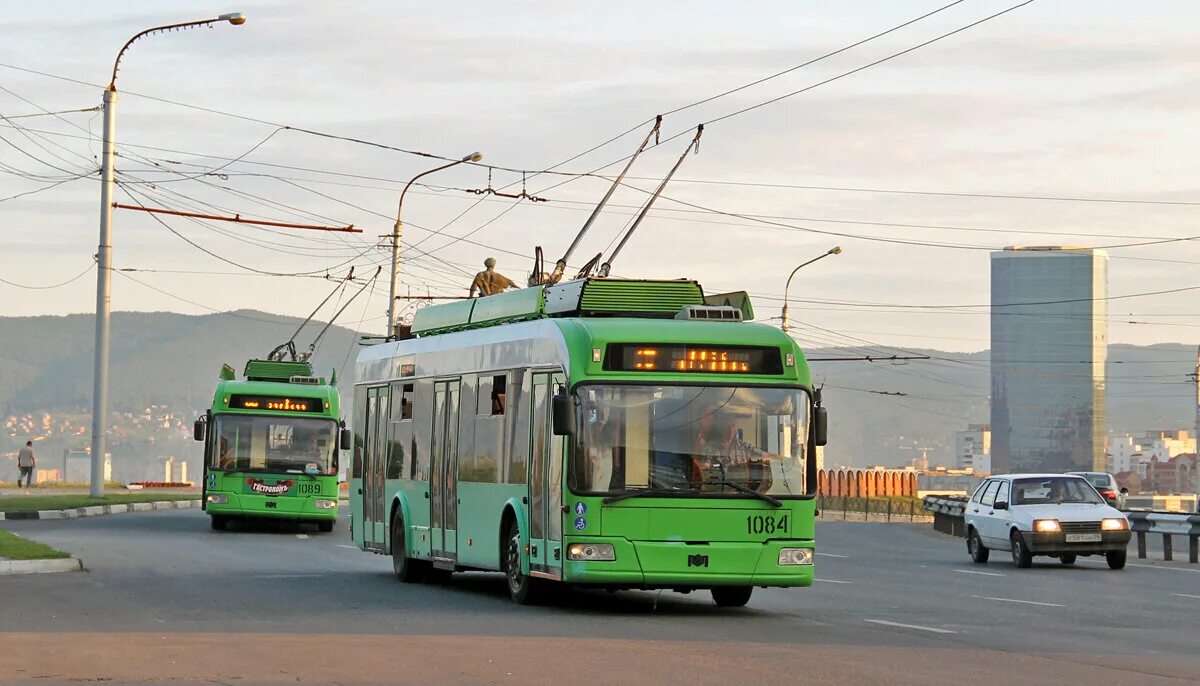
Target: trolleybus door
545,481
443,489
375,435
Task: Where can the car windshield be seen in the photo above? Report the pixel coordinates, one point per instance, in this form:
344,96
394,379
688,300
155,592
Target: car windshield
275,444
697,440
1097,480
1053,490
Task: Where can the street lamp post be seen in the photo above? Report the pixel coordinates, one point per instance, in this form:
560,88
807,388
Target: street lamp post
832,251
104,251
398,230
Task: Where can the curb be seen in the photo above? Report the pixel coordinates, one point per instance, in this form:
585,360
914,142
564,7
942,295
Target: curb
97,510
62,564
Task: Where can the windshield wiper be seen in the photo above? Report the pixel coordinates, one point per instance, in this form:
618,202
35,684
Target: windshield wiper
748,491
640,493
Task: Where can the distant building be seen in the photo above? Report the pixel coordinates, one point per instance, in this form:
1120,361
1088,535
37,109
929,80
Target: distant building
973,449
77,466
1049,346
1129,453
1178,474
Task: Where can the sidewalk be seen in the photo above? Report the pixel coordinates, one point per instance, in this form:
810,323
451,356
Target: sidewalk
53,566
98,510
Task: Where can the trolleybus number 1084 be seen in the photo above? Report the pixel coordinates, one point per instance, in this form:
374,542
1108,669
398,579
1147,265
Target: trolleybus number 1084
766,524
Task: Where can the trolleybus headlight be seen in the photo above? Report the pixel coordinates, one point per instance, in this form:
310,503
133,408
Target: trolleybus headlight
1046,526
217,499
795,556
325,504
591,552
1114,524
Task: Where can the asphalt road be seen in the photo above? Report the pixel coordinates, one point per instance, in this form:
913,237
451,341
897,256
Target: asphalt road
166,600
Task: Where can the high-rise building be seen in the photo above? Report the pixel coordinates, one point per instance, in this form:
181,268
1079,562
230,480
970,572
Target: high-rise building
1049,321
973,448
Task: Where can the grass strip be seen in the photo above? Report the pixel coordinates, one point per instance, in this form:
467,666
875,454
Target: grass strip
12,503
14,547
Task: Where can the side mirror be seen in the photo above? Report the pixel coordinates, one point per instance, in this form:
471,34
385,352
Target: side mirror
345,439
1000,505
821,426
561,410
1124,491
199,429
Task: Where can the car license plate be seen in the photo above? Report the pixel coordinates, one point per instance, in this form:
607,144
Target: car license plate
1083,538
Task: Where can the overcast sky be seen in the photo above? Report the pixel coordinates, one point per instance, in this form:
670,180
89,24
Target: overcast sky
1070,99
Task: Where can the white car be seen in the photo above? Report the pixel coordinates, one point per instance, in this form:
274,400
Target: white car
1057,515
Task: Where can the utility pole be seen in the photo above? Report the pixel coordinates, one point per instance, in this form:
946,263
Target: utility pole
104,252
836,250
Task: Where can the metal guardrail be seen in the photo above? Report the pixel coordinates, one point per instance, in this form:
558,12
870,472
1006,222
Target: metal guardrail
948,518
947,514
1167,524
870,509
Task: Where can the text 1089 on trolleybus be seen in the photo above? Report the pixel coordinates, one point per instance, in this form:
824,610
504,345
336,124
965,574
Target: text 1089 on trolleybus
271,445
598,432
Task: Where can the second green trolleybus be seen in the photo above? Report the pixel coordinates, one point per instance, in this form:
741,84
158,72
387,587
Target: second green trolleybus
599,432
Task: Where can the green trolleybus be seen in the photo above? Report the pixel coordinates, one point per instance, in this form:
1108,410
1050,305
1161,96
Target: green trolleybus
271,445
599,432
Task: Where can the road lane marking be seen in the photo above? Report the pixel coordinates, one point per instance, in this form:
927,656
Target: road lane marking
1186,595
972,571
832,555
1014,600
917,627
1135,564
838,581
302,536
287,576
343,545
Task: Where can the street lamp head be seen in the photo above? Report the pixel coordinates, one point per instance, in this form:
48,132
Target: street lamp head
473,157
837,250
235,18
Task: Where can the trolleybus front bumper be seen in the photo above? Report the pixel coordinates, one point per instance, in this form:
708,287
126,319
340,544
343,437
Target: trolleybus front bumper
279,507
678,564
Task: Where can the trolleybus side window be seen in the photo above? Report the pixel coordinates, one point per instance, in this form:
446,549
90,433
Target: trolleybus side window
360,437
400,431
518,443
499,390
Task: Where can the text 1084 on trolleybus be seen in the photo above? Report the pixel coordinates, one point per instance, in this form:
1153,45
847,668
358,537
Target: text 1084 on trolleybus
271,445
598,432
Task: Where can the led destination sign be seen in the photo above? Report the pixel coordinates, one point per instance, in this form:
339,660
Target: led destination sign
706,359
276,403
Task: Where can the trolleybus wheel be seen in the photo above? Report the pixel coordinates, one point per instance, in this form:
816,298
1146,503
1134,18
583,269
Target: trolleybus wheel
218,522
523,589
407,569
325,526
731,596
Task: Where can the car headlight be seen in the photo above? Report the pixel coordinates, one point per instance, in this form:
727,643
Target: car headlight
218,499
1114,524
325,504
1046,526
591,552
795,556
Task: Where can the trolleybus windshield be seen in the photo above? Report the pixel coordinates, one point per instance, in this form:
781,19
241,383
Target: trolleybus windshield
690,440
275,444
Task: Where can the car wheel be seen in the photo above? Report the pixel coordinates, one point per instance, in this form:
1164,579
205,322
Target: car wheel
407,569
979,552
1067,558
1115,558
1022,558
732,596
523,589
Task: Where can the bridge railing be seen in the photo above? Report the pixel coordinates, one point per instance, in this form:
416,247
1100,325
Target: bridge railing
881,509
1168,524
948,518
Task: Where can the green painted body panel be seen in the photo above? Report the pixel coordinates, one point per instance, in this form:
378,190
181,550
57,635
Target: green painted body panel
448,315
479,522
663,297
510,306
584,335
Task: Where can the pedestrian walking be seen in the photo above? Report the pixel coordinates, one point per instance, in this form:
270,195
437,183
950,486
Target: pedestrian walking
26,463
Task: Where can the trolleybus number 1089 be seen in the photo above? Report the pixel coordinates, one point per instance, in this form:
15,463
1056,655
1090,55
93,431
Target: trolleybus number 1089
766,524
